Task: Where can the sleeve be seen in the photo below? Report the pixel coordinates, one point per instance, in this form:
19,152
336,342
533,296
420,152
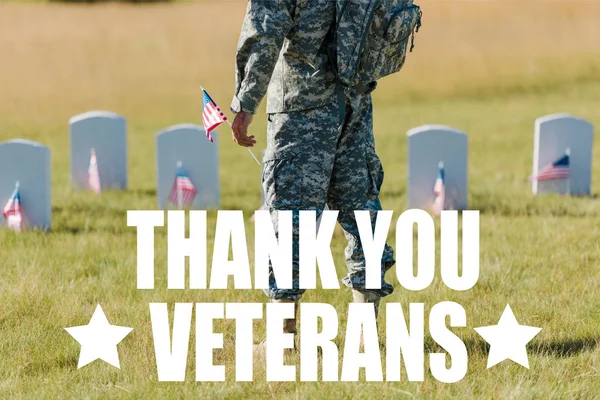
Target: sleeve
265,27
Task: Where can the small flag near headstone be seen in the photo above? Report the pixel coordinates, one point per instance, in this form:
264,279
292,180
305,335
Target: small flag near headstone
439,190
183,190
28,163
13,212
186,143
427,146
553,134
93,175
558,169
106,133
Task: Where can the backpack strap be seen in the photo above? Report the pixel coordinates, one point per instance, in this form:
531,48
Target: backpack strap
341,87
332,55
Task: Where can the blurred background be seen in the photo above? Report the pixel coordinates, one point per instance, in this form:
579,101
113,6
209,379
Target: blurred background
146,62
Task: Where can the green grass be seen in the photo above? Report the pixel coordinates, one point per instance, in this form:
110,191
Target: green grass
540,255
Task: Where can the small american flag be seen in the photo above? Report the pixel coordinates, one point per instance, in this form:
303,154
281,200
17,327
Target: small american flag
439,189
183,191
93,175
559,169
212,116
13,212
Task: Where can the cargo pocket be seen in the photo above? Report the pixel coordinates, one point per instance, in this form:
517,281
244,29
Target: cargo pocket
375,173
282,182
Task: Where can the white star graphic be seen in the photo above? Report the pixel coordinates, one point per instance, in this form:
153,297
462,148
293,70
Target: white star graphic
508,339
98,339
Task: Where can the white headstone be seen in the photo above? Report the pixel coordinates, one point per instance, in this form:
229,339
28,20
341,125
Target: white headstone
554,134
106,133
187,143
28,163
429,145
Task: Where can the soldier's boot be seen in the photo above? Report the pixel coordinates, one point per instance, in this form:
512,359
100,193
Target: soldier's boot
366,297
289,326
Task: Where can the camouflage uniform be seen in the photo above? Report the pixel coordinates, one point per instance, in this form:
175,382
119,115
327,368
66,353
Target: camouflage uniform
311,159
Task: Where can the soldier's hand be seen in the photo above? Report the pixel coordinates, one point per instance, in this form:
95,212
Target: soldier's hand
239,129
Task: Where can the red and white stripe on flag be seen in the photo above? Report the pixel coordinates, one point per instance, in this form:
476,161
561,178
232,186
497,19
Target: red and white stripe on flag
14,221
439,187
552,172
212,117
183,192
439,190
13,212
93,174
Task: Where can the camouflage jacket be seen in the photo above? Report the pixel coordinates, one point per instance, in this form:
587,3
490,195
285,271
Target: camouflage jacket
282,47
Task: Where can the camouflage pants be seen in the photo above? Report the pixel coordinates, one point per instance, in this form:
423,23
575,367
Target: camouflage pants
310,162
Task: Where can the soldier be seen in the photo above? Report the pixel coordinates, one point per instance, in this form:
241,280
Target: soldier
320,145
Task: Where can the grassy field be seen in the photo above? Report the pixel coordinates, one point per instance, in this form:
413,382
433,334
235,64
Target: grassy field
488,68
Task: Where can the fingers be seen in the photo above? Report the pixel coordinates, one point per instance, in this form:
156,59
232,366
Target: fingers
239,130
245,141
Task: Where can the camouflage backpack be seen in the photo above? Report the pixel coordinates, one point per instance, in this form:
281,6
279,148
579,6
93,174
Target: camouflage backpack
371,38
